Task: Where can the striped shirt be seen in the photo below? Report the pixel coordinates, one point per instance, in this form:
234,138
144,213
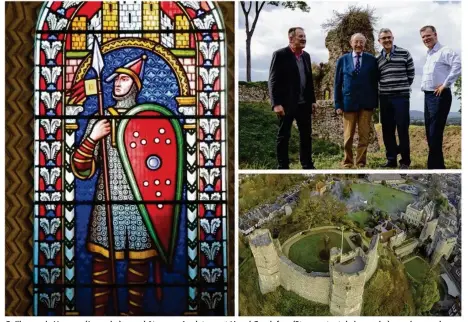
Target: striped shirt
397,73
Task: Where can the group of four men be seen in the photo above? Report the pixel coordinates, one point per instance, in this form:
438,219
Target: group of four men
361,80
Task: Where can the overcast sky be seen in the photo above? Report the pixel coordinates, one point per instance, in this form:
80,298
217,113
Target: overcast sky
404,18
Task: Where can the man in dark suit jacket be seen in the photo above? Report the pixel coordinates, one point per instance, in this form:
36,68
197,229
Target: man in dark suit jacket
292,97
356,97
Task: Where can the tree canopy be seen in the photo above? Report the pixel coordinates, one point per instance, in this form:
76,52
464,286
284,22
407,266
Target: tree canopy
388,292
427,292
257,7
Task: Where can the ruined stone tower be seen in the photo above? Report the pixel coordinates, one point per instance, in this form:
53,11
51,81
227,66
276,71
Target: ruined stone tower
266,260
337,43
349,273
346,288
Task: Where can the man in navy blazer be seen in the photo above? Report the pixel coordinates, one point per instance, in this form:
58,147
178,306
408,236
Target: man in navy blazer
356,97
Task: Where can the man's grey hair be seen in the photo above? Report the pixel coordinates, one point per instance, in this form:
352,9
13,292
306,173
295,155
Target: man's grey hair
358,34
292,31
384,30
427,27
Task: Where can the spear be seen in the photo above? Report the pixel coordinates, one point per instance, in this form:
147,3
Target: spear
98,66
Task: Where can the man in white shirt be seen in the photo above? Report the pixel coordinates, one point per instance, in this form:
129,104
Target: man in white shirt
441,70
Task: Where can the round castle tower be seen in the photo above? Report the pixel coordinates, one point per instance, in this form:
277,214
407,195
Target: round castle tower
266,260
349,273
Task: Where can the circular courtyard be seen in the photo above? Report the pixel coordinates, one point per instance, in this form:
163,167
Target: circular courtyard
311,250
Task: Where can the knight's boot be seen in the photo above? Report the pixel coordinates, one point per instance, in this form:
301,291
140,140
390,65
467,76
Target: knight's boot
138,275
101,281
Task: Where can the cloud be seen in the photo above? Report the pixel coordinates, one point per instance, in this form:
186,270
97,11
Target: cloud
403,18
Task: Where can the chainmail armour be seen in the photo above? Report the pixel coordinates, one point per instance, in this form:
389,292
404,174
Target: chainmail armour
130,232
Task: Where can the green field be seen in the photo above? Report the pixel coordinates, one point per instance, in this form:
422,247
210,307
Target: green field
305,252
359,216
258,126
417,268
384,198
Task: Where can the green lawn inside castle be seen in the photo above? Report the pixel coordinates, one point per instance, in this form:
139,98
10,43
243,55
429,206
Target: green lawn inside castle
312,251
294,264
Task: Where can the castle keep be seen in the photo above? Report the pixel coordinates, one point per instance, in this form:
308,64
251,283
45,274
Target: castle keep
341,288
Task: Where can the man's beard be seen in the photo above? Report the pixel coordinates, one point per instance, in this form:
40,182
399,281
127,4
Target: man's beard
128,100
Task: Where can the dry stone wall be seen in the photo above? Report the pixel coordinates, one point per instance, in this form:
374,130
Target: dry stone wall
251,93
326,124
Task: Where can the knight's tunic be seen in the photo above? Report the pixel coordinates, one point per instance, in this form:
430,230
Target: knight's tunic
131,236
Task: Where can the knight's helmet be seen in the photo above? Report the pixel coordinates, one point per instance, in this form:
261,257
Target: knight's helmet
79,91
134,69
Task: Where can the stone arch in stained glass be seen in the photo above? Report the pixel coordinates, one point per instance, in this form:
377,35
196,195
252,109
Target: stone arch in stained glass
130,159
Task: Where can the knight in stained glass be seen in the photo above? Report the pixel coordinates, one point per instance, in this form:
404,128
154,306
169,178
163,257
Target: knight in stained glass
130,235
136,94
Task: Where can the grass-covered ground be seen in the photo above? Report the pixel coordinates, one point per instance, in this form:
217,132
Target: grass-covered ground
417,268
382,197
359,216
257,140
305,252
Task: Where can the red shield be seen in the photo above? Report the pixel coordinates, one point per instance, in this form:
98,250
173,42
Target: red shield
150,144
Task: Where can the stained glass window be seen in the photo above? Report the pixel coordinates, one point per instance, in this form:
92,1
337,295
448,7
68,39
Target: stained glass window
130,138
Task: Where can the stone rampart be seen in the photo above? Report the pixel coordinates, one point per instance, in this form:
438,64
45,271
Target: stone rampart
312,286
372,257
351,254
346,293
254,92
397,240
406,248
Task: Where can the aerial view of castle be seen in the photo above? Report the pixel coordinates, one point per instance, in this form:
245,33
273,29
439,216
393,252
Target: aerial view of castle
374,245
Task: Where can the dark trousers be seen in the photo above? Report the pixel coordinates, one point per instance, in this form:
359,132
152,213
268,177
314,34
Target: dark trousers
303,118
395,115
436,110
